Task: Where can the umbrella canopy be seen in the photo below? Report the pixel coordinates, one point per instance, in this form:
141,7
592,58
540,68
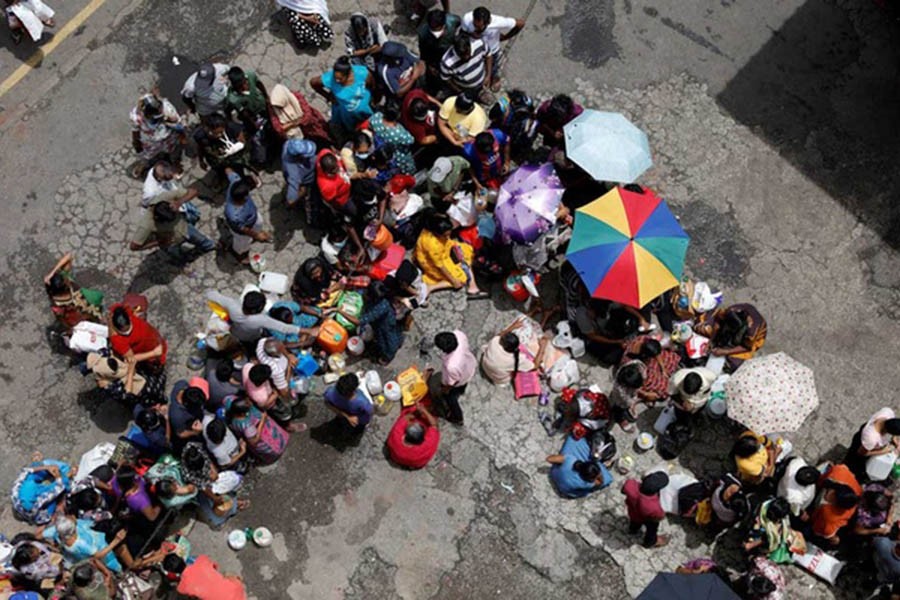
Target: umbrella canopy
771,393
627,247
677,586
527,203
608,146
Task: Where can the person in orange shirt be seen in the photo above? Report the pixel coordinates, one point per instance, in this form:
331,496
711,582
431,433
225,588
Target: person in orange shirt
202,580
839,503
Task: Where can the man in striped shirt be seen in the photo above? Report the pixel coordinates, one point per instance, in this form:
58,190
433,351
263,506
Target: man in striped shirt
463,65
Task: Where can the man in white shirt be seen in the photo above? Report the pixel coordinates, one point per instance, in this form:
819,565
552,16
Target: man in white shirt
162,185
492,29
798,485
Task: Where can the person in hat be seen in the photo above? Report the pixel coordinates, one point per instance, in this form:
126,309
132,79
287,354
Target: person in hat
398,70
575,473
206,91
463,65
445,178
156,129
309,22
414,438
491,29
388,131
644,507
436,35
461,119
364,39
347,88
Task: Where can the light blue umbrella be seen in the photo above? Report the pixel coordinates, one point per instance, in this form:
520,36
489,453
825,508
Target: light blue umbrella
608,146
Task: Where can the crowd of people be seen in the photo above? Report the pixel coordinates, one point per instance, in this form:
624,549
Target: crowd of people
402,178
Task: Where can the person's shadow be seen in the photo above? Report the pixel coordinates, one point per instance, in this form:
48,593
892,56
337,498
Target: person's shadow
26,48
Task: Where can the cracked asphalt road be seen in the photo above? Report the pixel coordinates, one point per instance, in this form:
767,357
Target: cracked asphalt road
771,127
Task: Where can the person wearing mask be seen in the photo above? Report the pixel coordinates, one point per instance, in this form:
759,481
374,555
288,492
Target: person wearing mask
436,35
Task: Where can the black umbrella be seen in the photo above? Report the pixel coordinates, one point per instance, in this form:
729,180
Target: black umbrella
675,586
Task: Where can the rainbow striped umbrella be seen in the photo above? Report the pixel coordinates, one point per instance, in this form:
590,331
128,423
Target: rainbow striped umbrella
627,247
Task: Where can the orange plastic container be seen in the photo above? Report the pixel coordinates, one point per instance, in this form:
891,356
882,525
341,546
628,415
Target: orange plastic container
383,239
332,337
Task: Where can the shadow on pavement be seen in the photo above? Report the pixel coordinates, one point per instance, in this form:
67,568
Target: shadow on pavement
335,433
823,92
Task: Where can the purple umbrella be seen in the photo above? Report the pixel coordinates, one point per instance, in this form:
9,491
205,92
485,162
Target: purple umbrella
536,186
517,222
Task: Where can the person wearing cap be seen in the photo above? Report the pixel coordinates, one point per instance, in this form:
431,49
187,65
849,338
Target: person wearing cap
492,29
436,35
644,507
206,91
461,119
309,22
414,438
463,65
298,165
347,88
156,129
575,473
444,180
364,39
398,70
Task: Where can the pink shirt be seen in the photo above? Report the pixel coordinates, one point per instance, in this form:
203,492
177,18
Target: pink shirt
259,395
870,438
459,365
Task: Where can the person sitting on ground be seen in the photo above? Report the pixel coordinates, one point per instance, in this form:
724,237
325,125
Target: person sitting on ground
202,579
755,456
224,380
461,118
772,535
242,216
445,179
78,541
690,388
445,262
364,39
736,332
839,503
132,492
248,321
575,473
798,486
71,304
185,414
164,226
91,580
398,70
347,88
266,439
280,361
626,392
886,556
225,448
37,563
519,347
134,340
168,482
379,314
309,21
488,156
763,581
644,507
414,438
728,501
605,327
879,435
553,115
306,317
314,281
346,400
660,364
154,425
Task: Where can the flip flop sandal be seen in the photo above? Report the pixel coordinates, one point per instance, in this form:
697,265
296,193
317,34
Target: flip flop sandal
477,296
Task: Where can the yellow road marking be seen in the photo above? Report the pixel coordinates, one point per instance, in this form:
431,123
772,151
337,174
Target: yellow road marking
35,59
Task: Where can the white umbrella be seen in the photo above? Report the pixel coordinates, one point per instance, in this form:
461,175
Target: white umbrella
771,393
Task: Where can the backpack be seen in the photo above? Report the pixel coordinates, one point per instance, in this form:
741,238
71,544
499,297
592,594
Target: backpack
673,441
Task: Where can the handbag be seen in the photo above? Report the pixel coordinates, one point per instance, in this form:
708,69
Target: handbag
527,384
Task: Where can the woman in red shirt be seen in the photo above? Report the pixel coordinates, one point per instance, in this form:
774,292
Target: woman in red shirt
136,341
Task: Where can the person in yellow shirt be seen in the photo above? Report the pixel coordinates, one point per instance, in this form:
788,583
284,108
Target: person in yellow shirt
461,119
754,456
446,263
